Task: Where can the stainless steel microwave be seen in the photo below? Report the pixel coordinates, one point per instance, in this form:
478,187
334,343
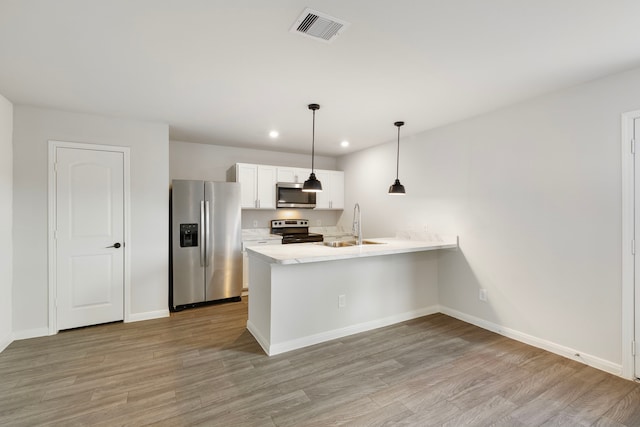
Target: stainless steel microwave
290,195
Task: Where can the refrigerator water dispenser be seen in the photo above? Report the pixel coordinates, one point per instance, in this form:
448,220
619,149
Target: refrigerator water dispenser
188,235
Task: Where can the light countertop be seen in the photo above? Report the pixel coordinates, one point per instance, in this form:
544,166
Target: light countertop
250,234
301,253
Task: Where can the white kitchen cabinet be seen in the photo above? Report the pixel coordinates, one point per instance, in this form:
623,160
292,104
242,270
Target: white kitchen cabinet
332,195
258,185
289,174
267,240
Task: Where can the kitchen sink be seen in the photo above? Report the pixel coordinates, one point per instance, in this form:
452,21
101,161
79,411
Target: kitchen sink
345,243
339,244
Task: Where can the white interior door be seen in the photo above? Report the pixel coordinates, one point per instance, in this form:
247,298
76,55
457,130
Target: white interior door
89,233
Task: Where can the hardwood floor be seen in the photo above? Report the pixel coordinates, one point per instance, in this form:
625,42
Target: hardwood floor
201,367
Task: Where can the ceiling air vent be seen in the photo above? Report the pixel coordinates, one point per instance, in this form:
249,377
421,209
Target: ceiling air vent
318,25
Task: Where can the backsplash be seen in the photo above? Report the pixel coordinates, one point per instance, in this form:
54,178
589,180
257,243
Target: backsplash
262,218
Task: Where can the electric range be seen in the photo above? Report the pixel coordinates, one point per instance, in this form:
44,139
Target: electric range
294,231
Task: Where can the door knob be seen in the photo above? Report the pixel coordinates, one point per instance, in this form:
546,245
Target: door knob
115,245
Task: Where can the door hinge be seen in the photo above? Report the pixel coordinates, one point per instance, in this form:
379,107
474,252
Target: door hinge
633,146
633,348
55,235
633,247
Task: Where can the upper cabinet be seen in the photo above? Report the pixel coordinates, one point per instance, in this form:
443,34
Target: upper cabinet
289,174
332,195
258,185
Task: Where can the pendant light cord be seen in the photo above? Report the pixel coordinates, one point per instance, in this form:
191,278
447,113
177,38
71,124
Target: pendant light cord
313,139
398,155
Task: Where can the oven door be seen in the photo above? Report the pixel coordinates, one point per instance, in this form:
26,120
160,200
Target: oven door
290,195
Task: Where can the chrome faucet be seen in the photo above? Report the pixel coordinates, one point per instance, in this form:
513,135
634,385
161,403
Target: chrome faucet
356,228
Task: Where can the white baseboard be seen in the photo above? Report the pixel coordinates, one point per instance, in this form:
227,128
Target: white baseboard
148,315
273,349
264,343
570,353
5,342
31,333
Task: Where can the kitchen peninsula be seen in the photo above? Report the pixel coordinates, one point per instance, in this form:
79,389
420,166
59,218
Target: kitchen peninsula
304,294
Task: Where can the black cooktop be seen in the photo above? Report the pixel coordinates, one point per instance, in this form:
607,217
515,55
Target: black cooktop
294,231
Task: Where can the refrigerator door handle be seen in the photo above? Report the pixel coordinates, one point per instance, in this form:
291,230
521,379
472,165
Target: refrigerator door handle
207,230
202,234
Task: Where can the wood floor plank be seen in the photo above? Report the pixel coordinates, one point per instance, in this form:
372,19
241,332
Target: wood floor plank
598,400
627,410
483,414
393,414
202,367
553,400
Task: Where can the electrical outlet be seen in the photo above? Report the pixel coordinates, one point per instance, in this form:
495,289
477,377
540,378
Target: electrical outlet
255,223
342,301
483,295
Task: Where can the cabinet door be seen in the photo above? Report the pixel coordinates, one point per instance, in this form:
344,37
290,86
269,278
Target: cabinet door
336,182
302,175
286,175
332,195
247,176
323,198
266,187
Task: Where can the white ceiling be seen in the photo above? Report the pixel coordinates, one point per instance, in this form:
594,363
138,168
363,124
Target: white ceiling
226,72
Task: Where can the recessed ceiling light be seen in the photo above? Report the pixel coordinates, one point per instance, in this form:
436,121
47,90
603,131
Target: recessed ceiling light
344,143
274,134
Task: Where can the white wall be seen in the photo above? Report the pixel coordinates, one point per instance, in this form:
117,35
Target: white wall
534,193
6,221
149,143
210,162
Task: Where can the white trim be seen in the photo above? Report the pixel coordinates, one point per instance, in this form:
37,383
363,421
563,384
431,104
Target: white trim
127,234
264,343
147,315
569,353
52,286
627,235
6,342
294,344
31,333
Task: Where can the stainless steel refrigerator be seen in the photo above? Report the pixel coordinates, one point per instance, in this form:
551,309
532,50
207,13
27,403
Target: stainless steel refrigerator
206,240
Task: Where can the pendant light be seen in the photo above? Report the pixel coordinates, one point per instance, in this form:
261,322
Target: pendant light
397,189
312,184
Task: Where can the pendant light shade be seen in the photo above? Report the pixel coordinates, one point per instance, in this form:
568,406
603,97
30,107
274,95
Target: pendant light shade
396,188
312,184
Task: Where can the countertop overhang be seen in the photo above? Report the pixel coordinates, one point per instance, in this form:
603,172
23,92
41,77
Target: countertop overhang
301,253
